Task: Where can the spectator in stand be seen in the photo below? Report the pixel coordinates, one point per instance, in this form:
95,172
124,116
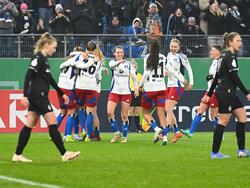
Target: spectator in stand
27,2
136,42
59,22
244,7
120,8
153,24
195,44
204,7
191,9
168,8
138,10
8,12
232,21
214,18
24,25
101,11
192,28
82,18
45,10
40,27
114,28
24,22
177,23
136,29
68,6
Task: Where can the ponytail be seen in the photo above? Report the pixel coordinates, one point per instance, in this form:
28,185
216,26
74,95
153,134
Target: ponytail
100,54
45,38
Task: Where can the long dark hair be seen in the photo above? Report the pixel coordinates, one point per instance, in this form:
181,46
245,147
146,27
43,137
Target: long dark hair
153,58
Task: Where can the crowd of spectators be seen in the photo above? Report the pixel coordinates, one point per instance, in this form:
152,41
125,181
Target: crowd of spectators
152,17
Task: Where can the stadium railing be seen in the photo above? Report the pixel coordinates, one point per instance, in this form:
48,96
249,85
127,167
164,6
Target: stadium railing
21,46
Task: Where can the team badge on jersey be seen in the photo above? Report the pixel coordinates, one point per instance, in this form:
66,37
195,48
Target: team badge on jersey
234,63
34,62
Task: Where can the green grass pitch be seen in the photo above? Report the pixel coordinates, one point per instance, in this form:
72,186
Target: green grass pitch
138,163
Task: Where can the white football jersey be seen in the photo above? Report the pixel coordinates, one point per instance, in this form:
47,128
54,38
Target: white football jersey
88,70
67,75
212,71
175,61
154,80
120,83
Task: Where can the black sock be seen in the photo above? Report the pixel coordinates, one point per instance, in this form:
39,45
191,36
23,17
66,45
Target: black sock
240,134
137,122
23,139
56,138
218,134
130,119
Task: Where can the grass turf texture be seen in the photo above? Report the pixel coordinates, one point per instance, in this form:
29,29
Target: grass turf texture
138,163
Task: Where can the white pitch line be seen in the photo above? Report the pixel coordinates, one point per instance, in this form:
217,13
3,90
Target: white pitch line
26,182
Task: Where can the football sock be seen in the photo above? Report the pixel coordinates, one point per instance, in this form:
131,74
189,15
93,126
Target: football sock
76,123
137,122
56,138
165,131
70,124
217,138
125,129
175,128
153,125
89,123
240,134
23,139
114,125
82,117
195,123
96,132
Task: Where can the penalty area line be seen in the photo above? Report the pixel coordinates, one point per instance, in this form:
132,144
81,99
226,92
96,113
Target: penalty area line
27,182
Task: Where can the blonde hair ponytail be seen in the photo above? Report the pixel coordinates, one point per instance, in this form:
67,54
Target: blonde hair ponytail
100,54
44,39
